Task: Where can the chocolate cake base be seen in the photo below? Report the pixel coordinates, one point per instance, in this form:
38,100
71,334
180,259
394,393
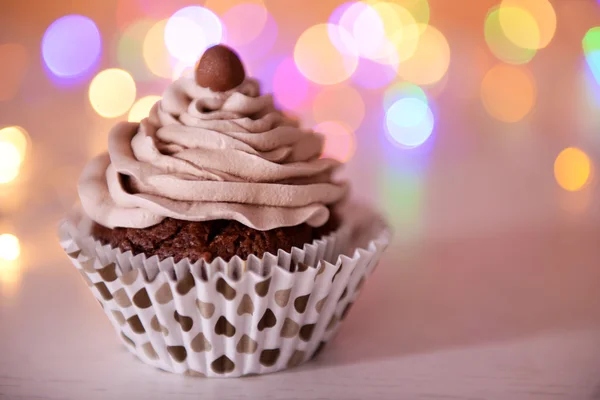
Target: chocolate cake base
209,239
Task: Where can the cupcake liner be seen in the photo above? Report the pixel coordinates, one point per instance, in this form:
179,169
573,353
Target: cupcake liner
229,319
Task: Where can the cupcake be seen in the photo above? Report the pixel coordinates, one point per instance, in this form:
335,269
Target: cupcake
213,233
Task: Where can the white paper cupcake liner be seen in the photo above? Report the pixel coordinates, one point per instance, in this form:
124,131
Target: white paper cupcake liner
229,319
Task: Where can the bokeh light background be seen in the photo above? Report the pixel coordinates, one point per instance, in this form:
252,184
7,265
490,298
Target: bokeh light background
411,94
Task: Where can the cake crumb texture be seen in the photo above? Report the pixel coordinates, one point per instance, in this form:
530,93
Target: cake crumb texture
208,239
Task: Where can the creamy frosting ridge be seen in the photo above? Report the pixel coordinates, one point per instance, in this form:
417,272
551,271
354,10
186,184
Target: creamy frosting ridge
204,155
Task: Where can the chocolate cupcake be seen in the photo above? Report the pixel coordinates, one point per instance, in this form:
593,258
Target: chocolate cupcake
213,233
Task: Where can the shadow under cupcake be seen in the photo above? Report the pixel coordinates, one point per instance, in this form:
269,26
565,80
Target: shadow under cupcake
213,233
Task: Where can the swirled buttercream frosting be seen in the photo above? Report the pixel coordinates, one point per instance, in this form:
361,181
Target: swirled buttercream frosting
208,155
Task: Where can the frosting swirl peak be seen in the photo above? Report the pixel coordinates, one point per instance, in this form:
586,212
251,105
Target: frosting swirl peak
206,155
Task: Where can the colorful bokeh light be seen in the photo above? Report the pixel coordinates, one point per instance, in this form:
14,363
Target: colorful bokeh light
346,16
430,61
367,29
10,248
10,162
319,60
529,24
71,46
130,54
381,31
12,69
591,40
339,103
340,143
141,108
190,31
112,92
418,9
336,16
155,52
402,31
504,49
572,169
251,30
508,92
10,266
403,90
593,61
591,48
409,122
18,137
370,74
589,86
519,26
264,71
290,87
402,196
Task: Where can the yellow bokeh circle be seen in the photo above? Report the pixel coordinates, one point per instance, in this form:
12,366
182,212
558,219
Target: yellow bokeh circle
430,61
10,162
318,59
520,27
500,45
418,9
10,249
155,52
112,92
508,92
530,24
572,169
141,108
9,174
18,137
401,29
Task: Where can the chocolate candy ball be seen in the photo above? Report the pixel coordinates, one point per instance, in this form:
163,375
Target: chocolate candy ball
220,69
